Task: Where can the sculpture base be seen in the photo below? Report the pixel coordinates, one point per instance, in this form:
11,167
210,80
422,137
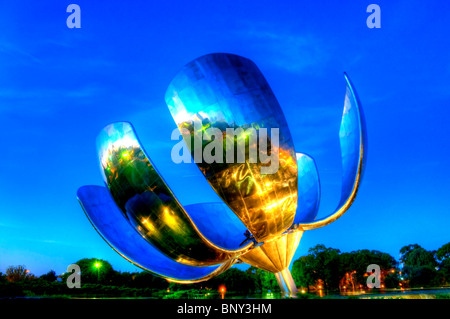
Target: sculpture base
275,256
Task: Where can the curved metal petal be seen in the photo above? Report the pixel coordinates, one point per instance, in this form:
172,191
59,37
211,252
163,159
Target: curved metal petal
353,140
110,223
227,92
147,202
308,190
219,224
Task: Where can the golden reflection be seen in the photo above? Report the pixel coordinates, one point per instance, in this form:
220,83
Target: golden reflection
265,203
148,226
276,254
170,219
149,204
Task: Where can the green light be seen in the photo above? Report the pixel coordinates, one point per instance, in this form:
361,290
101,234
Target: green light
245,135
98,265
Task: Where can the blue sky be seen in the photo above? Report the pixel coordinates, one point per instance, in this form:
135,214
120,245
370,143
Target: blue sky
59,87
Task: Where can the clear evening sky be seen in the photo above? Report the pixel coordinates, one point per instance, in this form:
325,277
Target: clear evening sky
59,87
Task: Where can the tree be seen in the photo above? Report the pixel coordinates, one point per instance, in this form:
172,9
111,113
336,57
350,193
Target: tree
321,263
443,256
50,276
301,272
406,251
123,278
18,273
359,260
234,280
421,276
329,265
145,279
419,265
265,280
94,271
326,264
392,280
443,253
444,271
268,280
421,257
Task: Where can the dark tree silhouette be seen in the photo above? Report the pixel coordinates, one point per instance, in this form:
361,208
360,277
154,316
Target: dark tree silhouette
420,266
18,273
94,270
50,276
329,265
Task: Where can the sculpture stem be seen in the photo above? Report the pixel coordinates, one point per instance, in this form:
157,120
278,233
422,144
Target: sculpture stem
287,284
281,283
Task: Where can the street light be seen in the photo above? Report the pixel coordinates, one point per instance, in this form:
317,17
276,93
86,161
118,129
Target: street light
98,265
222,291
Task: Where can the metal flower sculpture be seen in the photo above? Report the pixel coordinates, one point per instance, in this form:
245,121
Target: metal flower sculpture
263,215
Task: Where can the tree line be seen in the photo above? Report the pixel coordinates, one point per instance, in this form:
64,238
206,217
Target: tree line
322,266
98,278
330,268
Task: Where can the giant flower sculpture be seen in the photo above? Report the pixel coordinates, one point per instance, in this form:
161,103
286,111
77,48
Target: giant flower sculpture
263,214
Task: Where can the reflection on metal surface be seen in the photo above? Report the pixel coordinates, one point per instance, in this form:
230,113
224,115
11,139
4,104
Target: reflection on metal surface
308,189
263,216
276,254
289,283
147,202
353,140
108,220
228,91
219,224
286,283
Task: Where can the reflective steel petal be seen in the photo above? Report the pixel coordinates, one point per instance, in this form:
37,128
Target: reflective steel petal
353,140
147,202
110,223
228,91
308,189
219,224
